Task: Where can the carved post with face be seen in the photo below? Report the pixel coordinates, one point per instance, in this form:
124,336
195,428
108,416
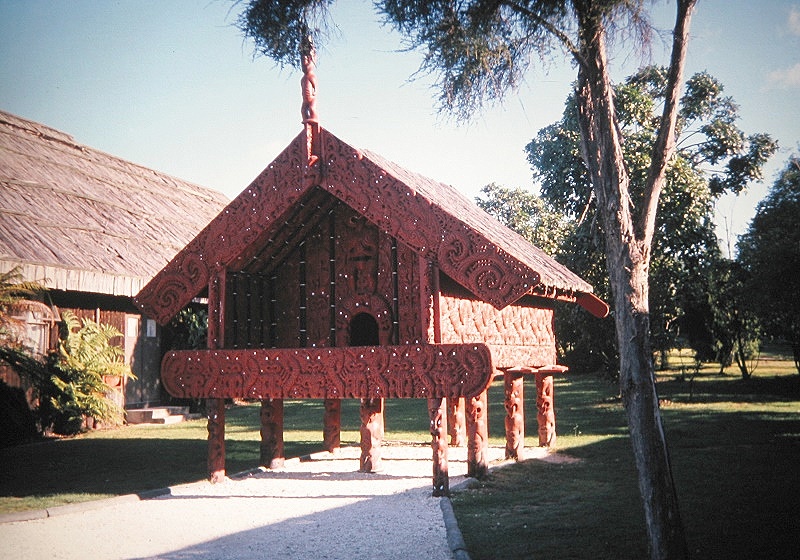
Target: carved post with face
438,415
477,435
515,415
456,422
546,415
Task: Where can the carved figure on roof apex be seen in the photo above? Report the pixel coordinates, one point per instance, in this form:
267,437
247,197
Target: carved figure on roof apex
308,83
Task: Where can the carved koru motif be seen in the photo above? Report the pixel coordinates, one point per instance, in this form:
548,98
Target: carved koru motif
473,261
406,371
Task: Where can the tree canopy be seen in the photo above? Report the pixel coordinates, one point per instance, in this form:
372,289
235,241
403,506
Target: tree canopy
713,156
770,251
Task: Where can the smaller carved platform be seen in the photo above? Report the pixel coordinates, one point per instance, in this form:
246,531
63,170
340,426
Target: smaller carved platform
405,371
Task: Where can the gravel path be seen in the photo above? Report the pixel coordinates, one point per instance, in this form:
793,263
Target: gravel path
316,508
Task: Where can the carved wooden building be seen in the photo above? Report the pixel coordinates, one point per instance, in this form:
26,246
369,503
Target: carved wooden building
338,274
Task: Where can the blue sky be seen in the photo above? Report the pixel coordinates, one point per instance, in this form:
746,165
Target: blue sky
172,85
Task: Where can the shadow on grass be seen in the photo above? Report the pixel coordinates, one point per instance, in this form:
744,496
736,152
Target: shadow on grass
734,456
118,466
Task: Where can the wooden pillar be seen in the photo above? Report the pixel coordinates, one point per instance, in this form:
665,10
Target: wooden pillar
546,415
438,415
332,425
456,422
216,439
272,455
477,435
515,415
371,435
216,407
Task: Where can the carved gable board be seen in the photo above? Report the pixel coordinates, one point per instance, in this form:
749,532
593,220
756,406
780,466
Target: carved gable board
292,200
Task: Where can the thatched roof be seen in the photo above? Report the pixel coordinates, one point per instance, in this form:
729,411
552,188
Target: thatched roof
86,220
433,219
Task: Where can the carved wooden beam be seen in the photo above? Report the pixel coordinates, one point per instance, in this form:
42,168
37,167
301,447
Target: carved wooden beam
405,371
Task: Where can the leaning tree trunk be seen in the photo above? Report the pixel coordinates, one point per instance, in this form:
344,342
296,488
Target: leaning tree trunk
628,258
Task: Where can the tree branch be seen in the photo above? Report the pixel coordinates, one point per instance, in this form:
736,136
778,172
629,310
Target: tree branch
664,147
562,37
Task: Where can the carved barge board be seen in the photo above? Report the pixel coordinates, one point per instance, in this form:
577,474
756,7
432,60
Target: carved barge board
405,371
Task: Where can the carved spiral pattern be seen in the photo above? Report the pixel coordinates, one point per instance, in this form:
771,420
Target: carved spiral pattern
407,371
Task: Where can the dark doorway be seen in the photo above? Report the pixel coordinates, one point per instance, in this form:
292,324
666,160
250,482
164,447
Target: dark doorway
364,330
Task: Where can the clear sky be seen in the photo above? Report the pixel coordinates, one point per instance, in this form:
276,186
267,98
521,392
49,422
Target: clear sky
172,85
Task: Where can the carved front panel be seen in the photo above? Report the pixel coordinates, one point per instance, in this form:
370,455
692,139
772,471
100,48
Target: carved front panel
405,371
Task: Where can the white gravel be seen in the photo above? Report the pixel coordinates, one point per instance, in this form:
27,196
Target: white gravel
320,508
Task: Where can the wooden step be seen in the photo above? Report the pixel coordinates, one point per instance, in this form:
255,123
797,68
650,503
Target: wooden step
159,415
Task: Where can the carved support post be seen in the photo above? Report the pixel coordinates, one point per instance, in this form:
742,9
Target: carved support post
216,439
216,407
371,434
515,416
456,422
438,415
477,435
546,414
332,425
272,433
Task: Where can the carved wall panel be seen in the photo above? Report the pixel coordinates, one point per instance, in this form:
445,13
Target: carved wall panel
320,315
407,296
289,321
405,371
464,320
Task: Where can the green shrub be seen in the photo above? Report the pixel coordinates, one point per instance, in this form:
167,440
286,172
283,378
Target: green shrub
76,389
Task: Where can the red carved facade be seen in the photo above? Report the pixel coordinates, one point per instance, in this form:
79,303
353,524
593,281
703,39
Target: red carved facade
337,274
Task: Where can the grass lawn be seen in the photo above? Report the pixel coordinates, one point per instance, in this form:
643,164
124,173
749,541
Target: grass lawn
735,449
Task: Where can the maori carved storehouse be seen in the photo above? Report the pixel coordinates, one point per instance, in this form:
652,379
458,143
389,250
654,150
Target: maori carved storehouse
337,274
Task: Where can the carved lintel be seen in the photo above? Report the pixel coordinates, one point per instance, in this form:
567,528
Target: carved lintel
404,371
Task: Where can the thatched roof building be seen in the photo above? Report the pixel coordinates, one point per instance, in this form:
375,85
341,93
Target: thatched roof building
88,221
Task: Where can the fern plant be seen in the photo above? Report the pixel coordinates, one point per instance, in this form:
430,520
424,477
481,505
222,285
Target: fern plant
77,387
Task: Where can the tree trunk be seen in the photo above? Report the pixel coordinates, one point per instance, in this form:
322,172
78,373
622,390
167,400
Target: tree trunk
628,258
